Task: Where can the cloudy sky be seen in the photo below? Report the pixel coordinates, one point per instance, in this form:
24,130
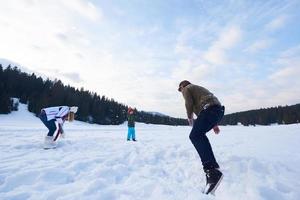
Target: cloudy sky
246,52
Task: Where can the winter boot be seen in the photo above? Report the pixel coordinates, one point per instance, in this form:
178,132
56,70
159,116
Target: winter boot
49,143
134,139
213,179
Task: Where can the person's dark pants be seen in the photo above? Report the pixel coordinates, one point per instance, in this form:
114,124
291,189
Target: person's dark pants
49,124
206,120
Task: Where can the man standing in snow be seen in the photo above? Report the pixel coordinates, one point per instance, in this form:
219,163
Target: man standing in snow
131,124
57,114
209,112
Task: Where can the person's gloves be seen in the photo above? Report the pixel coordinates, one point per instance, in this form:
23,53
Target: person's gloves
191,121
59,120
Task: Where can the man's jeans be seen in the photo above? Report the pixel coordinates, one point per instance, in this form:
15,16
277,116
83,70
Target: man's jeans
206,120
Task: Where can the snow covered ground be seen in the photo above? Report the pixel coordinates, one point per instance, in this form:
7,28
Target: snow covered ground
96,162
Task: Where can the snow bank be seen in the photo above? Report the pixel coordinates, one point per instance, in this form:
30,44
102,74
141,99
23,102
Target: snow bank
96,162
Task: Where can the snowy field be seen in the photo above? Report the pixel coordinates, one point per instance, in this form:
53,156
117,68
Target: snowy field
96,162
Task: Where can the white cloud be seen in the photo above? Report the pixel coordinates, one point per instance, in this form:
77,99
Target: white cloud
227,39
287,73
276,23
280,87
46,34
259,45
84,8
139,60
196,64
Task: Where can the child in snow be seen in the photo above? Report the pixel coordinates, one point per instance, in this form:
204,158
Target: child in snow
131,123
209,113
57,114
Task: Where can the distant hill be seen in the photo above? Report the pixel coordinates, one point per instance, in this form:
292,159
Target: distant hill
158,114
38,93
93,108
265,116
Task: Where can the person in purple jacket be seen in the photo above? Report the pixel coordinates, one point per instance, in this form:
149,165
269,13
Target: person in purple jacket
54,118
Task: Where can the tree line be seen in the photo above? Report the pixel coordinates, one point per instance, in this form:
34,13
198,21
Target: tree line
264,116
93,108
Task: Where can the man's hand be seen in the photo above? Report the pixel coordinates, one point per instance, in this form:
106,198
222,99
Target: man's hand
60,128
216,129
59,120
191,121
61,131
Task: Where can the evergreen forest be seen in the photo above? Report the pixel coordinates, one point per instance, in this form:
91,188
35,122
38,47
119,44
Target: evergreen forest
93,108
